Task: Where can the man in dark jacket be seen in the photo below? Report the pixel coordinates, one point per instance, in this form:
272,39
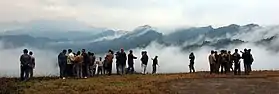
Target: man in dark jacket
92,60
218,64
154,65
230,64
122,60
117,62
236,60
62,62
251,60
144,60
25,65
224,61
192,62
131,58
248,59
85,66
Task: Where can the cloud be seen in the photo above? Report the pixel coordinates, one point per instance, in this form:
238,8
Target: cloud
128,14
171,58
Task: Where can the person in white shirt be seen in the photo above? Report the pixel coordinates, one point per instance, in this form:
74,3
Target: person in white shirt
99,66
212,59
70,63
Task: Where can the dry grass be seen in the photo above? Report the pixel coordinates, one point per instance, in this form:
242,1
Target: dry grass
115,84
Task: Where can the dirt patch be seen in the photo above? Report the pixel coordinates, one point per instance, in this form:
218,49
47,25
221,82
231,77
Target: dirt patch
226,86
8,86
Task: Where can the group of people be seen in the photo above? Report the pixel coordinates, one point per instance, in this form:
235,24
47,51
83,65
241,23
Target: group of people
85,64
27,65
224,61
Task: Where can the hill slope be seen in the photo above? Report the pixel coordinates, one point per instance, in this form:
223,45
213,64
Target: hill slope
263,82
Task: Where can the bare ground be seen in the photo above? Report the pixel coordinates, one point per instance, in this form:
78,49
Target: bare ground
264,82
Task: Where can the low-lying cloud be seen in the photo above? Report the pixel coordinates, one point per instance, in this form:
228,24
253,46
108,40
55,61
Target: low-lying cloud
172,59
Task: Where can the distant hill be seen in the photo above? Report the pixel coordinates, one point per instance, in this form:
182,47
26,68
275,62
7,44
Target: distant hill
142,36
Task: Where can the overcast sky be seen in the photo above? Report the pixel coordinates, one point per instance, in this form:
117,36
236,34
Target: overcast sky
128,14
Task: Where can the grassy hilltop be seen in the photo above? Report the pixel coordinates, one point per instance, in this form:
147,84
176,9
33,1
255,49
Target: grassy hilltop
259,82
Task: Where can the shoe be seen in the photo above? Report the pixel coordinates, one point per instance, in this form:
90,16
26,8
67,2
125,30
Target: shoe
85,77
63,78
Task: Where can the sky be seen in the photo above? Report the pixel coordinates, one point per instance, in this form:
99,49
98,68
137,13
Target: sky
128,14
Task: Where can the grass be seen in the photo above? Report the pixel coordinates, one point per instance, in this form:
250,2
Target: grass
115,84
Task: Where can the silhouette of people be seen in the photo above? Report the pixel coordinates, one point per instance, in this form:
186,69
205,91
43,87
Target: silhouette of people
230,61
131,58
224,61
117,56
212,62
25,65
192,61
32,64
154,65
248,60
144,61
217,61
236,61
85,64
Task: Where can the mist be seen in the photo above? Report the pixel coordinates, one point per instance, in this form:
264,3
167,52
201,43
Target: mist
172,59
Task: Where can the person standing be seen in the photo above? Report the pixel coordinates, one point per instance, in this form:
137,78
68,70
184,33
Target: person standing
78,64
109,60
85,64
212,63
192,62
25,65
92,59
32,64
122,60
62,62
250,61
144,60
236,60
154,65
224,62
99,67
217,62
131,58
230,61
70,63
117,56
